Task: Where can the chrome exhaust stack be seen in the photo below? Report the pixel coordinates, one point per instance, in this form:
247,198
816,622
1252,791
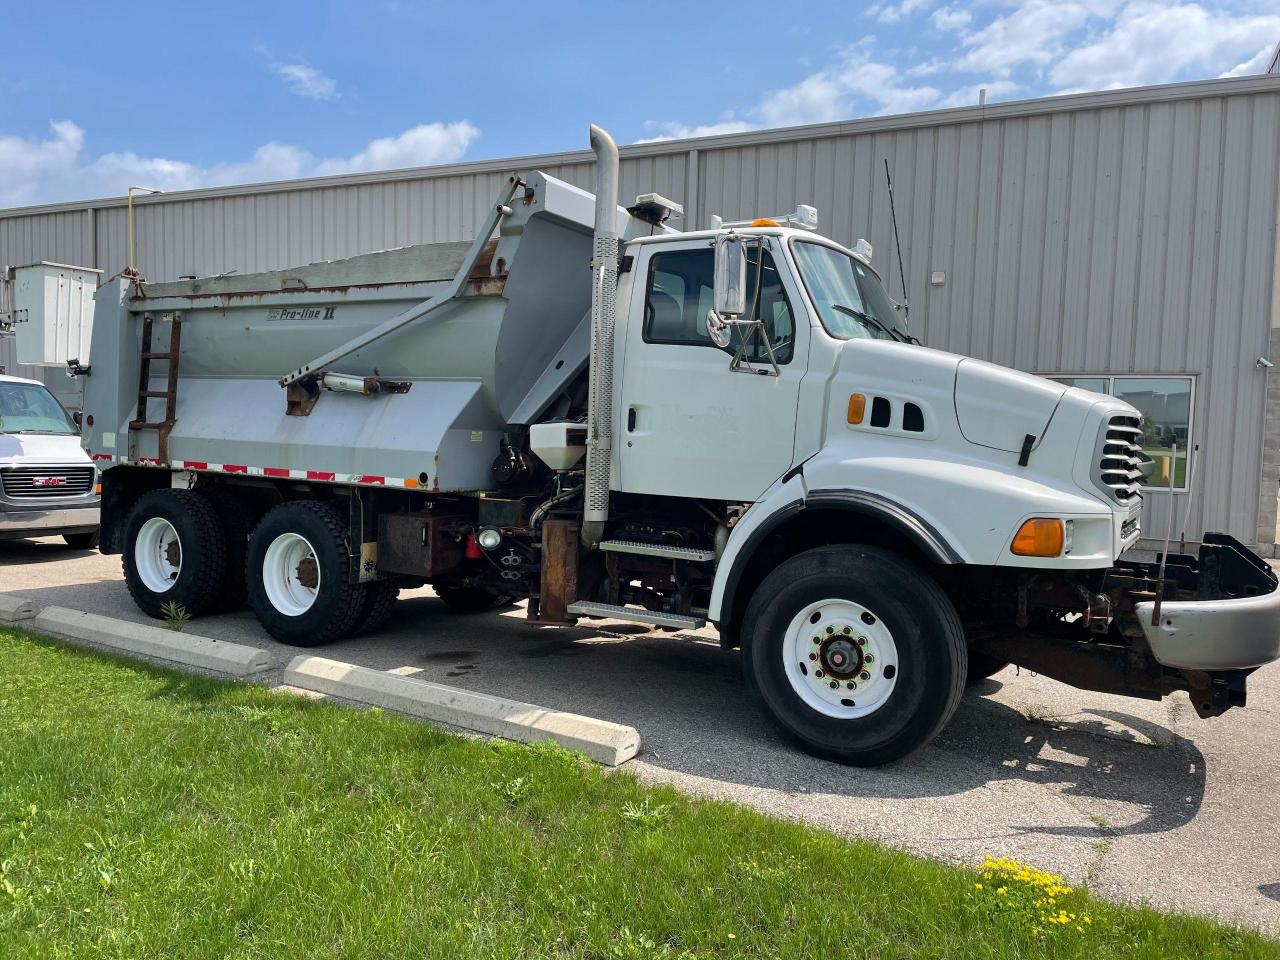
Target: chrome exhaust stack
604,309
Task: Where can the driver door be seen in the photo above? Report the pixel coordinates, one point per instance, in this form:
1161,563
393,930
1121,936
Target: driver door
689,425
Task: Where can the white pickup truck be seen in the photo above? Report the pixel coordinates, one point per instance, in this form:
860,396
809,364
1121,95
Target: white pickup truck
47,482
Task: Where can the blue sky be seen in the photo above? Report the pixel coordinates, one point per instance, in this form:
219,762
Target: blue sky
180,95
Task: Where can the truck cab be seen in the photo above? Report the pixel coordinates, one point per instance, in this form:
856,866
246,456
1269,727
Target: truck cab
47,482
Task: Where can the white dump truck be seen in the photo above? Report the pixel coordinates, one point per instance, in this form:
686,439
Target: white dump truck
590,410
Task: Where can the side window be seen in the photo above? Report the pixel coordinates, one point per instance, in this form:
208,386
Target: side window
682,289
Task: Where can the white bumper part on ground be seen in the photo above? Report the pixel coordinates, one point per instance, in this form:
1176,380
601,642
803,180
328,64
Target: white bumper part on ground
1233,634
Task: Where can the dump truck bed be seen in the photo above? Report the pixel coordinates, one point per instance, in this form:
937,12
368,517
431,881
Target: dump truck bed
495,352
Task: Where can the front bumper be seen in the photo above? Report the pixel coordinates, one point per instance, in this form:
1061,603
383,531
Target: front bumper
1219,610
46,521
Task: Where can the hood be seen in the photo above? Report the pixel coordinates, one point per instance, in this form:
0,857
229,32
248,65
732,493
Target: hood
998,407
38,448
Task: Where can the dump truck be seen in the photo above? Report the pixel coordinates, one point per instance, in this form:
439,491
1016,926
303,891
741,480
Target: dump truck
589,410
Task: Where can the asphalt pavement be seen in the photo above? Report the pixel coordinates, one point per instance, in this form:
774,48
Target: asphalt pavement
1143,800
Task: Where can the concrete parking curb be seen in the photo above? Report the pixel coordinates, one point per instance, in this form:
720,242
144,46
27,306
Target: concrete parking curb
602,741
13,609
139,638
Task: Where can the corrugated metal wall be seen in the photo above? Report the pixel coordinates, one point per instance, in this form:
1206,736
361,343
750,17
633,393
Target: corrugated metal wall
1132,232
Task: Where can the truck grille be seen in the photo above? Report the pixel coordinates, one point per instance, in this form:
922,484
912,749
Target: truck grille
41,483
1121,467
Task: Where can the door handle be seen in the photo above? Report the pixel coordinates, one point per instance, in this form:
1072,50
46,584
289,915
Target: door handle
631,419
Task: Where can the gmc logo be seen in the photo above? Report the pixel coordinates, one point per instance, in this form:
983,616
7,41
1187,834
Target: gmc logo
49,482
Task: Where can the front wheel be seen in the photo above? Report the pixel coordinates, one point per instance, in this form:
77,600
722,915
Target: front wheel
82,541
472,599
855,653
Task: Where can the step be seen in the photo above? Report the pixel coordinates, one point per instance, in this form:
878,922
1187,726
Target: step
585,608
658,550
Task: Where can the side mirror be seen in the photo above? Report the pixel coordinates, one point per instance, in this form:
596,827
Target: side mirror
731,276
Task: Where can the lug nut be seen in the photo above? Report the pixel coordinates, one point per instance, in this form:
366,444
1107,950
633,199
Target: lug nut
831,630
864,676
818,674
834,684
851,685
847,630
817,639
813,656
862,641
868,658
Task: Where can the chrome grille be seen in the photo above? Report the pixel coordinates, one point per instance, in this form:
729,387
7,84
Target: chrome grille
41,483
1122,464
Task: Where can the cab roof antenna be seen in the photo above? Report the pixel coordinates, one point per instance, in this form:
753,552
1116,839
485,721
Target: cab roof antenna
902,277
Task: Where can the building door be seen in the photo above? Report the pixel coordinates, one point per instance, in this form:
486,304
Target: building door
689,425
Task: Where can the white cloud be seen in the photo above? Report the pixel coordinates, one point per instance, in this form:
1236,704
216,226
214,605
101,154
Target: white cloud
306,81
1256,64
1033,35
419,146
683,131
1156,43
843,91
57,168
945,18
893,12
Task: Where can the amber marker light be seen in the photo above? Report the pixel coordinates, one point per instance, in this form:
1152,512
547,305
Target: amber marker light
857,407
1039,537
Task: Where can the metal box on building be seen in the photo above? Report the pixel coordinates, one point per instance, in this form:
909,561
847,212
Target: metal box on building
49,307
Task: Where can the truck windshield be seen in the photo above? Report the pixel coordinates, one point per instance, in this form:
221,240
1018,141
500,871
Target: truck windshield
851,301
30,408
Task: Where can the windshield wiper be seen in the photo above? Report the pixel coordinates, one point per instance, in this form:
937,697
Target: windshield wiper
867,318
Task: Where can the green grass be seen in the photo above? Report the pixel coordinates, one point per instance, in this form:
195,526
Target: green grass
145,813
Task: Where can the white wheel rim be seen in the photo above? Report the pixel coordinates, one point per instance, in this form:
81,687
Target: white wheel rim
842,643
157,555
291,574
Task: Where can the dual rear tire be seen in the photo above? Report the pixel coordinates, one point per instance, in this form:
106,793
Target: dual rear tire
294,567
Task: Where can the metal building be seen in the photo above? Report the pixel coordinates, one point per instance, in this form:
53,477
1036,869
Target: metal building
1124,239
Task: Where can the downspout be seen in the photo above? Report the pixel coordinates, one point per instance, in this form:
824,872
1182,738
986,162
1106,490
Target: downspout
604,308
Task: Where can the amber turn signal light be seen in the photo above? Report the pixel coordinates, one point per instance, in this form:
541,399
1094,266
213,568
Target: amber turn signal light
1039,537
857,407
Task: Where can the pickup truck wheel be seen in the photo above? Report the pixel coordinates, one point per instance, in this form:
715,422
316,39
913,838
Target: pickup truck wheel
174,552
299,571
82,541
472,599
855,653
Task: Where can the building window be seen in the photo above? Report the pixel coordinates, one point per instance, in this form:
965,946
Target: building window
1166,404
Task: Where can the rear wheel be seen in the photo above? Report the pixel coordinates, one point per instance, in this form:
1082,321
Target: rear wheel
982,666
472,599
855,653
82,541
238,515
299,574
379,603
174,551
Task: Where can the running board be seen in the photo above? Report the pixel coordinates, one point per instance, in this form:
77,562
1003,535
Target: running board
584,608
658,550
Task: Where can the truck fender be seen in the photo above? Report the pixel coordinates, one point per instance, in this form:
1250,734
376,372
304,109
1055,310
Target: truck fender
786,501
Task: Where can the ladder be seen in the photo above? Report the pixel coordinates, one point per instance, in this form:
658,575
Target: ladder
169,394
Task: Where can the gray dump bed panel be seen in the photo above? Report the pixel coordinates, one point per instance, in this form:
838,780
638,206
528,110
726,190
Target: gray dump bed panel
490,356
